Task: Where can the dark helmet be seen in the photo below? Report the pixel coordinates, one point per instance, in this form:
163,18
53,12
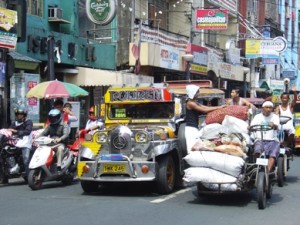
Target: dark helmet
23,111
54,116
92,114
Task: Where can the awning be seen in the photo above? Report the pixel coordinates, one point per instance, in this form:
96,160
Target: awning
96,77
23,61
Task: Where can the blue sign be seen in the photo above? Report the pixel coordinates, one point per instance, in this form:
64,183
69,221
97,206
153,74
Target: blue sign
288,74
270,61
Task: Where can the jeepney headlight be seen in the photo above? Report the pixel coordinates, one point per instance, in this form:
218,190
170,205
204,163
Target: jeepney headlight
101,138
141,137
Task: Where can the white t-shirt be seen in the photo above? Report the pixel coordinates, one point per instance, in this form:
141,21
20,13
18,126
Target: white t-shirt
91,123
261,119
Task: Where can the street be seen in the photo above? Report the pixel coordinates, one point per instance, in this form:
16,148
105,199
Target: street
137,205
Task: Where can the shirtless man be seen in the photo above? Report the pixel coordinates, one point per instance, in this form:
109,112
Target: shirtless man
237,100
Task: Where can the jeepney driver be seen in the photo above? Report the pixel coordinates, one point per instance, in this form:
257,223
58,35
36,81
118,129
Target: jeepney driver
193,110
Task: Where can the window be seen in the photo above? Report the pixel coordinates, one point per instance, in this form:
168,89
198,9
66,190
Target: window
35,7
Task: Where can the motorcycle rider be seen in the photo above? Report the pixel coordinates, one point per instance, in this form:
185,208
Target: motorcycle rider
22,127
57,130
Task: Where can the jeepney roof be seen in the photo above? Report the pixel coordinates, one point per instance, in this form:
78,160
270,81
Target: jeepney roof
203,91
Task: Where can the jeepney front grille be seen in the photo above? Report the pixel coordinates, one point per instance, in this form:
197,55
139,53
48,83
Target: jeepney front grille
120,141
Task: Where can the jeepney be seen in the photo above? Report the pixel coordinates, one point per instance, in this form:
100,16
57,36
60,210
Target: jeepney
139,142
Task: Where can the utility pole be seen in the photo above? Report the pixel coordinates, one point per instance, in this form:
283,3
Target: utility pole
50,63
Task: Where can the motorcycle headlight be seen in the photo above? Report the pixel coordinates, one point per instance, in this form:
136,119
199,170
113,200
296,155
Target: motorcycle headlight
101,138
141,137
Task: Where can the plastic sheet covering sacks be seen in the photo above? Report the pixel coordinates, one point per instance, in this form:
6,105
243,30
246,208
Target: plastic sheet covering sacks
217,116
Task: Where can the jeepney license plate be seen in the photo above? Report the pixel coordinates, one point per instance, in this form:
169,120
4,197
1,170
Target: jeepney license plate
282,150
114,168
262,161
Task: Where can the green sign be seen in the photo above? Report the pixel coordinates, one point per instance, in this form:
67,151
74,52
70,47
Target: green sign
101,12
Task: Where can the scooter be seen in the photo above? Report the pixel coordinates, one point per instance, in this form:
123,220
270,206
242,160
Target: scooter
42,166
285,154
11,161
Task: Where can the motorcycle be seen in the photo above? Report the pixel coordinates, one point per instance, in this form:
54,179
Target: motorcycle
11,160
42,166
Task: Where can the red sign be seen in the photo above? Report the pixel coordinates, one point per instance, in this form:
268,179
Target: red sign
212,19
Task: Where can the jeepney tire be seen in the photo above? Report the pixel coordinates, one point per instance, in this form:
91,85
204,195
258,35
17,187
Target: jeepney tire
89,186
166,174
181,139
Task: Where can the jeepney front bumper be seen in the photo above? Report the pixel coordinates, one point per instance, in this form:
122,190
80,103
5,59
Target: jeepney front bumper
116,168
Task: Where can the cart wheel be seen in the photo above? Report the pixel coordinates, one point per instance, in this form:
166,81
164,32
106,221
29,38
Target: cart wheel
261,190
280,171
166,174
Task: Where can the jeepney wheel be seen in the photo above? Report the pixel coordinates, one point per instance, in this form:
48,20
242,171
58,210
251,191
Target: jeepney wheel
280,171
89,186
261,190
166,174
181,139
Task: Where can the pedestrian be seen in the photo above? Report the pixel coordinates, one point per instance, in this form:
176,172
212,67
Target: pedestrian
286,108
67,109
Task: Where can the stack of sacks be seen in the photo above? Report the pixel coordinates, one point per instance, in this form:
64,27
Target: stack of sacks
217,116
211,168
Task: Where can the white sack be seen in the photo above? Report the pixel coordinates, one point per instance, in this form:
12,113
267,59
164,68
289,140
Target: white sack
206,175
224,187
232,124
228,164
210,131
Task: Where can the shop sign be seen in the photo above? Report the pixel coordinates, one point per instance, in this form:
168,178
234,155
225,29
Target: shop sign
267,61
8,30
200,60
225,71
276,85
265,48
288,74
169,58
2,74
101,12
212,19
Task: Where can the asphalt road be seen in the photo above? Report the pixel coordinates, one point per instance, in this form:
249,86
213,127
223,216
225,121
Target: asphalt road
138,205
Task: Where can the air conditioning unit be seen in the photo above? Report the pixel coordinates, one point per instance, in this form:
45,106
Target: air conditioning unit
55,13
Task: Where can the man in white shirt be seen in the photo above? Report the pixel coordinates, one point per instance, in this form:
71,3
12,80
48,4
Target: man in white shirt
270,143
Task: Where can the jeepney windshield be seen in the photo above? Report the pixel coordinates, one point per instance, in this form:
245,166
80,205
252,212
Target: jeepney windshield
153,110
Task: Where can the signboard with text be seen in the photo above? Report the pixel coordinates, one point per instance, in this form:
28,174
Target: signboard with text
212,19
265,48
8,28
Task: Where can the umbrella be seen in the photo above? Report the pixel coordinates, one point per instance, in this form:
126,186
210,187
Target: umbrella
56,89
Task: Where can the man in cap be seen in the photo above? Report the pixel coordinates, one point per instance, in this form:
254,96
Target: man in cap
193,110
270,143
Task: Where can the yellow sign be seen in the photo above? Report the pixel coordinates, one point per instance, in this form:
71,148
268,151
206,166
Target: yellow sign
252,47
